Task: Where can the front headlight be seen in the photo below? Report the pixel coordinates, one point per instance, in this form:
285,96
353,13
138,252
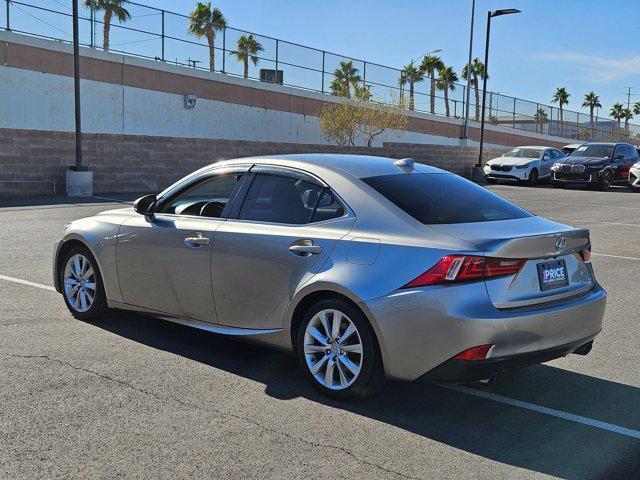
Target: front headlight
522,167
555,167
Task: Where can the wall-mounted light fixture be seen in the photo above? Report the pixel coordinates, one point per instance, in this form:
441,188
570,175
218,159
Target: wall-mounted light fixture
190,101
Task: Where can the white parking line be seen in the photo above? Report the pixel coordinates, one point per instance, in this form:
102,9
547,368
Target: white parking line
469,391
614,256
578,204
25,282
548,411
594,221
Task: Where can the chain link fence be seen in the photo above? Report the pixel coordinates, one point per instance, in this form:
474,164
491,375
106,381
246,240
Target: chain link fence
163,36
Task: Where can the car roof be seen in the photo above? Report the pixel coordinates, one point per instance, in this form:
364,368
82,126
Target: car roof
537,147
360,166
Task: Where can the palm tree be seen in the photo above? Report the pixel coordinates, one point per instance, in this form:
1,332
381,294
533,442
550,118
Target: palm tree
205,22
477,70
616,113
413,75
592,101
447,79
626,115
636,108
430,65
561,97
247,48
402,81
344,77
111,8
540,117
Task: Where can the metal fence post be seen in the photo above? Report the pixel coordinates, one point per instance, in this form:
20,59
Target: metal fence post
364,74
8,24
91,26
162,35
276,77
224,47
323,54
514,113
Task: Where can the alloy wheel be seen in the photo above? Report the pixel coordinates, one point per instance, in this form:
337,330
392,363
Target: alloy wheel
79,283
333,349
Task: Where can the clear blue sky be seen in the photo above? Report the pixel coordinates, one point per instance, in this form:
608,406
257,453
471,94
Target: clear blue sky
582,45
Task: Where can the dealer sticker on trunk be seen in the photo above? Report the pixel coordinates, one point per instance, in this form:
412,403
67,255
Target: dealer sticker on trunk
552,275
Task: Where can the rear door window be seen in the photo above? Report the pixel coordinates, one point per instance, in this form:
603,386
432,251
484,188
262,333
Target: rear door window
442,198
280,199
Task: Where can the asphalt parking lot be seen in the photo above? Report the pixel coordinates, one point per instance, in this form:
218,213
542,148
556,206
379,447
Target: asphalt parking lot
132,396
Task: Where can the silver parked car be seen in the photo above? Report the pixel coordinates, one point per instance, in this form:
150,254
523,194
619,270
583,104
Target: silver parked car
365,267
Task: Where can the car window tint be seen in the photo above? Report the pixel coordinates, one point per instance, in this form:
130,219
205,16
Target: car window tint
280,199
328,207
215,190
434,198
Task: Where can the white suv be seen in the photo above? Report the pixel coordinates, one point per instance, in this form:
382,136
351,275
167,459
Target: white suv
523,165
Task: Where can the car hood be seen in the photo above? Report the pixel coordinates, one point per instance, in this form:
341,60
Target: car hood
514,161
587,161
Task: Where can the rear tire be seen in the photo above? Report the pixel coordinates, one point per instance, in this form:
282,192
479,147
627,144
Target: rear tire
329,358
81,283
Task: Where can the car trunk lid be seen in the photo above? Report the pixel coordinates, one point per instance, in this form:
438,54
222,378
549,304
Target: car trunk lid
549,248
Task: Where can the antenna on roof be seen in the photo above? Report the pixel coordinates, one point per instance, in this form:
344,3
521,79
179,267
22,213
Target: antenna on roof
405,163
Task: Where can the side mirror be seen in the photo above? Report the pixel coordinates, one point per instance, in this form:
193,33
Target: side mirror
145,205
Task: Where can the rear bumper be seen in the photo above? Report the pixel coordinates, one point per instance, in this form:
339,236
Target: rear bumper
421,329
461,371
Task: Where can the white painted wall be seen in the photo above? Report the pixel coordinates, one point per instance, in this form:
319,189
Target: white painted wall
44,101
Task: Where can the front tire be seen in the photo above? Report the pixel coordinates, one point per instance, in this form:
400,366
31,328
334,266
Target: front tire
338,351
605,181
82,286
557,184
533,178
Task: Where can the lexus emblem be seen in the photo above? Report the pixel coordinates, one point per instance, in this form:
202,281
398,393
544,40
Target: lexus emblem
561,242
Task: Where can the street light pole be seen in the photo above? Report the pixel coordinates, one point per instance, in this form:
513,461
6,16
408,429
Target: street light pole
76,85
465,132
490,14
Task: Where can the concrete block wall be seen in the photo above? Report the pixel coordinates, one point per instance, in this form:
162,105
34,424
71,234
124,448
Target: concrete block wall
30,160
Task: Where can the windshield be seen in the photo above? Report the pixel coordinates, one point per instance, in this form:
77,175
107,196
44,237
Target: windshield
523,153
594,150
443,198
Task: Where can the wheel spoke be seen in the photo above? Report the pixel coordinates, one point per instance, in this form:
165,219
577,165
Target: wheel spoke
89,273
356,348
315,333
83,300
77,270
343,378
89,297
335,326
347,333
328,374
315,368
314,348
352,367
70,281
326,324
90,286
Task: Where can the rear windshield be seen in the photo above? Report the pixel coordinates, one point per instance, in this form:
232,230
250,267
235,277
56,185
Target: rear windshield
442,198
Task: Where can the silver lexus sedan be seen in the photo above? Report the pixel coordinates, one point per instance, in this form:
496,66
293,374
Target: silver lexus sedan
365,267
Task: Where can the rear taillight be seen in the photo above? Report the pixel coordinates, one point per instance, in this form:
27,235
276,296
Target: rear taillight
586,254
466,268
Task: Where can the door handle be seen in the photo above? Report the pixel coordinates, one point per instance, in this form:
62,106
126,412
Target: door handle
305,250
197,241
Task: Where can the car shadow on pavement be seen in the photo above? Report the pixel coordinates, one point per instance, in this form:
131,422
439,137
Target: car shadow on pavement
500,432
